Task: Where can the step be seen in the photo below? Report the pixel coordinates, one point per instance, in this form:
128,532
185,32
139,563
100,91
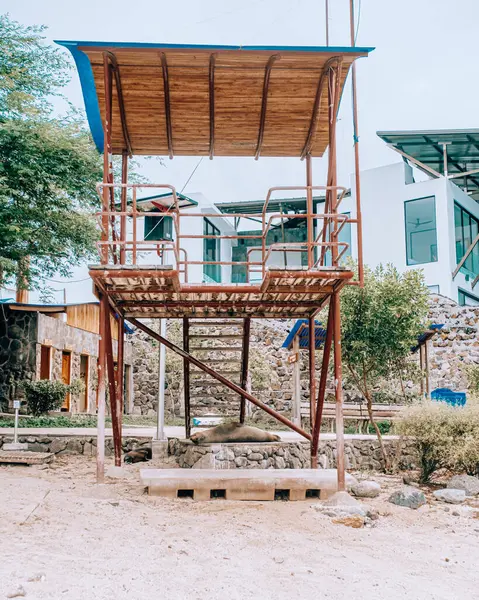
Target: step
199,372
217,348
25,457
221,360
229,336
241,484
203,382
207,322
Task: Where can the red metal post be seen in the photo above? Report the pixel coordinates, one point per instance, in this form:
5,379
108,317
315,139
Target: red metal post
322,388
229,384
338,384
357,177
244,365
186,376
120,369
112,383
332,172
312,372
124,180
101,393
107,154
309,209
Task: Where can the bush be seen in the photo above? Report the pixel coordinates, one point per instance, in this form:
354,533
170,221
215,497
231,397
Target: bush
446,436
45,395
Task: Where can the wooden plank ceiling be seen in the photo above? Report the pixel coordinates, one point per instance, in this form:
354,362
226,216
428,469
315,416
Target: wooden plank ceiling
234,108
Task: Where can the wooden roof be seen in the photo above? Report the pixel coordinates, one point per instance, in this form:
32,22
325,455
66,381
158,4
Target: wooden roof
210,100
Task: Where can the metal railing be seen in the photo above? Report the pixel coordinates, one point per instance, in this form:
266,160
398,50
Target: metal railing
122,244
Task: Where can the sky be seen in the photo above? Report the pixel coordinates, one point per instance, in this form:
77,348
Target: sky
418,77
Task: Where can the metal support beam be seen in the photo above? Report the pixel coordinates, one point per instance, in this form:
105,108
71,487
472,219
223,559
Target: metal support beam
120,369
420,165
244,365
338,384
316,106
465,257
121,102
101,394
124,200
186,375
322,388
326,9
107,156
357,182
312,372
264,102
296,382
212,103
112,382
229,384
166,88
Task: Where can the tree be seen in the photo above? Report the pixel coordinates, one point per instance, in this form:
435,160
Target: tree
379,324
49,166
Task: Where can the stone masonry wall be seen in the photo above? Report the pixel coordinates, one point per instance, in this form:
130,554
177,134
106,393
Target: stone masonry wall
449,351
361,453
18,335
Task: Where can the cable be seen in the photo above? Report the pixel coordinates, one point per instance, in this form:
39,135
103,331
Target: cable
67,281
192,173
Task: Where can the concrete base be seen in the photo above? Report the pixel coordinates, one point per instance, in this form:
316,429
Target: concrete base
159,449
245,484
13,447
25,457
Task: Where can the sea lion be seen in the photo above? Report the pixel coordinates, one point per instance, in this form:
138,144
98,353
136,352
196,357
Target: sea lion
137,455
233,432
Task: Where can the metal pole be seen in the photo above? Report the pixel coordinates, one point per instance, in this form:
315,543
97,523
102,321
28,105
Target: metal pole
309,209
244,365
327,21
120,370
426,365
338,384
100,436
186,375
124,193
357,176
15,425
312,371
160,429
444,154
296,383
112,385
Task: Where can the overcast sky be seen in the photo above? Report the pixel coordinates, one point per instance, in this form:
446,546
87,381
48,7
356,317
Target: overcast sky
420,76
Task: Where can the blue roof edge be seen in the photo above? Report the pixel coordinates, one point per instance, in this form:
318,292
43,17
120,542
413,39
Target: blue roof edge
88,88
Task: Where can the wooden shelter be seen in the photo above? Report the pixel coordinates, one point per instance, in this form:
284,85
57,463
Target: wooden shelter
180,100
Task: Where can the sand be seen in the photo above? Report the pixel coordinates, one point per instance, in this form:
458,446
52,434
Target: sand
63,536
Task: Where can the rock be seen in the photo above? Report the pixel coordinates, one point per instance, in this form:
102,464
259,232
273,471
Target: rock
117,472
341,504
464,482
354,521
450,495
408,496
58,445
366,489
18,593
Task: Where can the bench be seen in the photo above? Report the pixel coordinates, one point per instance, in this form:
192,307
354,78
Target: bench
353,411
242,484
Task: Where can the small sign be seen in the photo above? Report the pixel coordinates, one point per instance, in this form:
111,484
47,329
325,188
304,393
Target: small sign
292,358
16,404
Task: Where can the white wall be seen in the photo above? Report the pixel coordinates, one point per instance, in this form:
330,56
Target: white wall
383,193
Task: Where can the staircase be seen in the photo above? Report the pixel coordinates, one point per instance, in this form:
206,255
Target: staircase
219,344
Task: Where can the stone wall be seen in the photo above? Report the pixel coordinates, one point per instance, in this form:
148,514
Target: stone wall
78,444
361,453
18,336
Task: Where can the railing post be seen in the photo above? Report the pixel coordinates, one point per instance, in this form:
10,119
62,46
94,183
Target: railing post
309,210
124,194
107,157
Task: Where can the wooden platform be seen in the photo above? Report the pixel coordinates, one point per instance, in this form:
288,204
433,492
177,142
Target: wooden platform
151,291
244,484
25,457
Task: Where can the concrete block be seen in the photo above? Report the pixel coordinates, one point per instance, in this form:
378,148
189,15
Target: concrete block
159,449
12,446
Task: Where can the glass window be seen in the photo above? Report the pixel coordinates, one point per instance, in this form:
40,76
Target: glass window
434,289
466,299
466,229
211,253
421,234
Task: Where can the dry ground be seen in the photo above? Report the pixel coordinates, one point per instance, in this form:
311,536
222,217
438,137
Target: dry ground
62,536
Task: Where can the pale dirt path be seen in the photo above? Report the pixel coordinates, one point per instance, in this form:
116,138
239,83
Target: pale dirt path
112,542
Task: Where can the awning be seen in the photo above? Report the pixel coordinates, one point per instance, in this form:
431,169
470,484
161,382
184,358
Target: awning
184,100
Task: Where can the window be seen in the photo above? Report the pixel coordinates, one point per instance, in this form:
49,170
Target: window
421,234
466,299
211,253
433,289
344,236
466,228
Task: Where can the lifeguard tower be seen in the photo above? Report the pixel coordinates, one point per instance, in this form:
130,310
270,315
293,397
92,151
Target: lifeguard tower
232,101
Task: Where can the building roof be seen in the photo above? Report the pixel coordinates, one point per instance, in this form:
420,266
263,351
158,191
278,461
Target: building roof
187,100
462,146
162,200
275,205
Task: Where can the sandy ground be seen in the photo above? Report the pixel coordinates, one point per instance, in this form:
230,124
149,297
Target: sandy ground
63,536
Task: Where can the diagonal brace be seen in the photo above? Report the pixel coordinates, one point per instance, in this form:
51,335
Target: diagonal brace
229,384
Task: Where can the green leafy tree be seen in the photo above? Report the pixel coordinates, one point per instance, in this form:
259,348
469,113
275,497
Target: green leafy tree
48,166
380,323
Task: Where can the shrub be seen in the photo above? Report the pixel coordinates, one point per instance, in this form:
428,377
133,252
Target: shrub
446,436
45,395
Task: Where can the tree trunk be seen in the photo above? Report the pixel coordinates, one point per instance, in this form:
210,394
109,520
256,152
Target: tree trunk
369,404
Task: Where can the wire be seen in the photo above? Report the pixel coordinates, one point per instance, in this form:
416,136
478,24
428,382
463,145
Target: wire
67,281
192,173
